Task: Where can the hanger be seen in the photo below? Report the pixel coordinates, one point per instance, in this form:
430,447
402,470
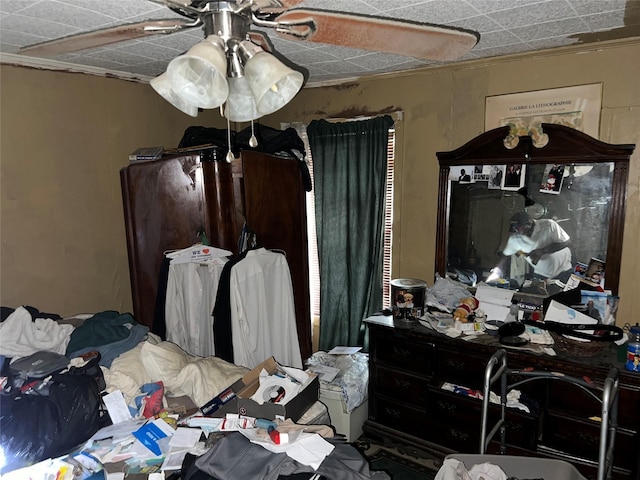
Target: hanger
197,253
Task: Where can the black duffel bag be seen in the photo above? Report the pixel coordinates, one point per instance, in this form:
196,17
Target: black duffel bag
47,418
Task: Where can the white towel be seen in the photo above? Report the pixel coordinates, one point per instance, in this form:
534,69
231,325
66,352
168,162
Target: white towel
519,268
21,336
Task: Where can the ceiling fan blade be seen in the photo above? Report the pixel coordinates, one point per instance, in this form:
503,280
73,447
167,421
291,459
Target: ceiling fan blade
379,34
276,4
261,40
106,36
290,3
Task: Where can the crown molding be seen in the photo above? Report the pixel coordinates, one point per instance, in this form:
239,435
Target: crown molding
48,64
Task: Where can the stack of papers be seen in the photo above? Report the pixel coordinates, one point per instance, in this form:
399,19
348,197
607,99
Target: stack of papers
494,301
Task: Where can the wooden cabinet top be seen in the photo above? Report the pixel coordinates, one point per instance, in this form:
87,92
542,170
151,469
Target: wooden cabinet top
483,346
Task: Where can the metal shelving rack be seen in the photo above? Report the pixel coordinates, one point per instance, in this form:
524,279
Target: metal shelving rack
497,370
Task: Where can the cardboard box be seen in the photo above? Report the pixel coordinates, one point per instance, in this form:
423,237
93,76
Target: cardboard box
225,402
237,398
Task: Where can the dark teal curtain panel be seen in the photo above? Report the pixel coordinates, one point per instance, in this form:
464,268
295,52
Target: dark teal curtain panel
349,170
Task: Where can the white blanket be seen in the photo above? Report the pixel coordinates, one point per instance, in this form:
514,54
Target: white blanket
200,378
21,336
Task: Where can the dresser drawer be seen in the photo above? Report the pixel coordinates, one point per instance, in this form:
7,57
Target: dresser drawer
401,385
465,413
401,416
582,439
462,367
577,402
629,407
404,354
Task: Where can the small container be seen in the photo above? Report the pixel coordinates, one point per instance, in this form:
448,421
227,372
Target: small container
514,312
633,350
407,297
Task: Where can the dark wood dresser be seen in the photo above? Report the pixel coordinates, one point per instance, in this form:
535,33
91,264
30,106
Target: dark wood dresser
409,364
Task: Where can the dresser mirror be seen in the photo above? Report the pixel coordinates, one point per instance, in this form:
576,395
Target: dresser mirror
569,177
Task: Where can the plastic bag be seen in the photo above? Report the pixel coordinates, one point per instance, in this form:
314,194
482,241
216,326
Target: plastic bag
353,377
48,417
446,293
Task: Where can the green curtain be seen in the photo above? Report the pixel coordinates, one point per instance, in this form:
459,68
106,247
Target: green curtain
349,170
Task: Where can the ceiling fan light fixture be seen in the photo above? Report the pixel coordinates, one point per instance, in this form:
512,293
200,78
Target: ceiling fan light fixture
199,76
162,86
241,104
272,82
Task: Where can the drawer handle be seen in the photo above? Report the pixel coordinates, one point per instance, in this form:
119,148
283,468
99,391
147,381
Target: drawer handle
393,412
457,434
447,407
401,383
403,352
588,439
456,365
514,427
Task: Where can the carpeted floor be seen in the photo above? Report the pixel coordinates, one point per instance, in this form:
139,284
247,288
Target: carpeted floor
399,462
400,468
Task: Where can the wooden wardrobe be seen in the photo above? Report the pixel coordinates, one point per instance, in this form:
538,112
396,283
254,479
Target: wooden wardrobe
170,201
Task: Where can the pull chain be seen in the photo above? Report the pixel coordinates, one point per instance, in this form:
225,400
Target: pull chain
230,156
253,141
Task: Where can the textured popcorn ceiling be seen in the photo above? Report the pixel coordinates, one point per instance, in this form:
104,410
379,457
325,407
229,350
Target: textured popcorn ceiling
506,27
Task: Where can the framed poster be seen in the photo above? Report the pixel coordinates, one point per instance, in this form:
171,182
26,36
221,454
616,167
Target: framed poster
576,107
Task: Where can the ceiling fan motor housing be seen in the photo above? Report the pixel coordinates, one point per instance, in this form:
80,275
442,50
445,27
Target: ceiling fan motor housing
226,23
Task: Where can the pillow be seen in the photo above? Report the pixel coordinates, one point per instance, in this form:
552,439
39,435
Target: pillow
164,361
205,378
200,378
127,373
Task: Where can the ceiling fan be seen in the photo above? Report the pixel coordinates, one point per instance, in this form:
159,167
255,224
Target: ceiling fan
234,19
236,66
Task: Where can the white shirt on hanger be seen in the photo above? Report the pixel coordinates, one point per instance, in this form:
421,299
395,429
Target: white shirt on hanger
191,296
263,319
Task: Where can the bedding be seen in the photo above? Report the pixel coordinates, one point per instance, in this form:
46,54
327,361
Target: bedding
144,361
131,356
21,334
153,360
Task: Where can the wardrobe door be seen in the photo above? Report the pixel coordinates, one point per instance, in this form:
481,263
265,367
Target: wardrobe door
164,209
224,194
275,209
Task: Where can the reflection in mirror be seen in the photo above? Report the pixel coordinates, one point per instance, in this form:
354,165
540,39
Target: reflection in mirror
526,218
558,219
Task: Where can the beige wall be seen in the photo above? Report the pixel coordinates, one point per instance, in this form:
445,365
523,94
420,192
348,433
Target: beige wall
65,136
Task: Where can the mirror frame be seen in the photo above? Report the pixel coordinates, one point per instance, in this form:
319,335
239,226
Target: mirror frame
565,146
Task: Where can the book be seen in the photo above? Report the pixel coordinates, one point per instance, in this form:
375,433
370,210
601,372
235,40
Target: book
146,153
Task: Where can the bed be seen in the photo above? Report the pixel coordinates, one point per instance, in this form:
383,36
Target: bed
132,358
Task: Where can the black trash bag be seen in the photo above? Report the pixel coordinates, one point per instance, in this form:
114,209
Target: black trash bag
49,417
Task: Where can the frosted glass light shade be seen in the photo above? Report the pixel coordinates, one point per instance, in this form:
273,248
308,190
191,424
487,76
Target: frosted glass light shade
199,76
241,104
162,85
272,82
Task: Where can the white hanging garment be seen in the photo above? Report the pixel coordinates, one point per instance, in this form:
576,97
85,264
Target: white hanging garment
263,320
191,296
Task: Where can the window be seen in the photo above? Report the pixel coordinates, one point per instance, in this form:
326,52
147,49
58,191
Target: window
314,279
